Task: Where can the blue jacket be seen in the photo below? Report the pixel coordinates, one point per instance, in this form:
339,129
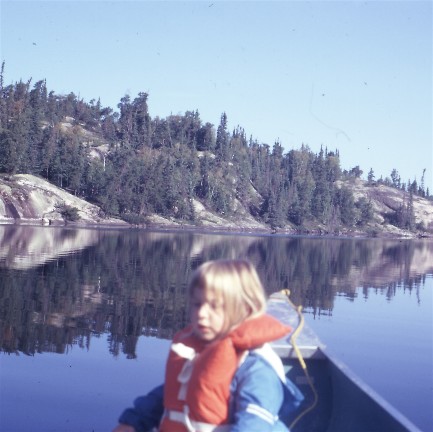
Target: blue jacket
258,398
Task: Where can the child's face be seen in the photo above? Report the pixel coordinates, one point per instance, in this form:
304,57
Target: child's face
207,315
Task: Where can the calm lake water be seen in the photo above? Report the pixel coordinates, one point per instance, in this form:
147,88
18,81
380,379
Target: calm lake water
86,314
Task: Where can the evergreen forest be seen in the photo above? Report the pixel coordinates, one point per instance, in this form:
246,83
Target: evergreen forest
132,165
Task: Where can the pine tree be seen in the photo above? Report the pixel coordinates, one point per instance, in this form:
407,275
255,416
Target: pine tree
48,149
126,121
38,103
206,138
321,200
241,164
370,177
396,179
421,190
142,122
161,134
410,224
9,157
345,202
222,140
3,95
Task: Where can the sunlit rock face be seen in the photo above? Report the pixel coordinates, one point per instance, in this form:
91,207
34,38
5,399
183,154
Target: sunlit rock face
27,198
387,200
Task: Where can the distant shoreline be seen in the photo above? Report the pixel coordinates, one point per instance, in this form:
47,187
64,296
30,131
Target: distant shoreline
224,230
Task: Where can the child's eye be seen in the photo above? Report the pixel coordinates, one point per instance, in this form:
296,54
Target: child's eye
215,305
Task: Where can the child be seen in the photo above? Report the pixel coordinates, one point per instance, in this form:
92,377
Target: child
221,374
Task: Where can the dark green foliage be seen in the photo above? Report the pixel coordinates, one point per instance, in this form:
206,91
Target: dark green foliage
70,213
345,202
370,177
355,172
9,157
321,201
206,138
164,165
395,177
364,211
134,122
411,187
404,216
222,149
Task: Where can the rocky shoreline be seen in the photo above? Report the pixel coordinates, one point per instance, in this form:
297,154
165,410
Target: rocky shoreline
30,200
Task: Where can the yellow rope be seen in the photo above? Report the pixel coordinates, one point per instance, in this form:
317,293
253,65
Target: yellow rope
293,337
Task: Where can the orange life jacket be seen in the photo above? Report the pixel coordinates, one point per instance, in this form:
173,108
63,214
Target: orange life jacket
198,374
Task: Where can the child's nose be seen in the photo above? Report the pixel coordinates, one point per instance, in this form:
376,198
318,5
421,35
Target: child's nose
203,310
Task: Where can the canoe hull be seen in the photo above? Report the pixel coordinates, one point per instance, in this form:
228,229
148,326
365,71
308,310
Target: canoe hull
344,402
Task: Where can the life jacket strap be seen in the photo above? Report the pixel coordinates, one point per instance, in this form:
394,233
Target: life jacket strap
194,426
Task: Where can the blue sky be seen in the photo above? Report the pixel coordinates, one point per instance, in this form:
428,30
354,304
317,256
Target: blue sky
353,75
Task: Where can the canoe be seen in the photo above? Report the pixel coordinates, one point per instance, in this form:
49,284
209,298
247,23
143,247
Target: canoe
336,400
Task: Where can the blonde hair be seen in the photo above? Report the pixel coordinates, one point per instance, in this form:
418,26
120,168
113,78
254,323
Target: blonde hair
236,283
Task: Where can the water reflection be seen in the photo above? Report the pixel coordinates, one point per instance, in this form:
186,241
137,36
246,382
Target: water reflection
59,287
24,247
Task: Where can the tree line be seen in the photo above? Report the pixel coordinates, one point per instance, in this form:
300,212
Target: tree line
133,165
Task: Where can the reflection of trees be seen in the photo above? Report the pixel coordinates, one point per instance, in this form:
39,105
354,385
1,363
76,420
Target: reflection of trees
411,284
132,283
316,270
123,285
311,269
